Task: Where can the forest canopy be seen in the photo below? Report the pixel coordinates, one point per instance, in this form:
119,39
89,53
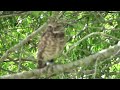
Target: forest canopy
91,51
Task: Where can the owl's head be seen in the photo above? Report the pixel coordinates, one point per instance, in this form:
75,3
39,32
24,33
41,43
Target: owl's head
56,27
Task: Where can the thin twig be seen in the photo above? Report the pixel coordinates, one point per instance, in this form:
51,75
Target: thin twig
11,72
89,35
22,59
11,15
81,31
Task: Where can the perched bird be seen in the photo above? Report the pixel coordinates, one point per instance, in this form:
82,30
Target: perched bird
51,44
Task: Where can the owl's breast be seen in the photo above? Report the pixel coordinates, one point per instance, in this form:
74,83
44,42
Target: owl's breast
53,48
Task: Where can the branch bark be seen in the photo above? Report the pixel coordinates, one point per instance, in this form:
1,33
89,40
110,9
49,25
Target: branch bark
55,69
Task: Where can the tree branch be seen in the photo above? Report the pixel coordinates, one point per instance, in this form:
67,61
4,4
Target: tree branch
12,13
55,69
14,48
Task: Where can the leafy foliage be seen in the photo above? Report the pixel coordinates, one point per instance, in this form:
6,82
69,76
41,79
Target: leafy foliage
80,24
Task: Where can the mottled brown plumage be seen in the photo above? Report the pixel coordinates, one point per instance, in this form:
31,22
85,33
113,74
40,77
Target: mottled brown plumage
51,44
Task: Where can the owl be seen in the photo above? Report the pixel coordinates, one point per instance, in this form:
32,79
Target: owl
51,44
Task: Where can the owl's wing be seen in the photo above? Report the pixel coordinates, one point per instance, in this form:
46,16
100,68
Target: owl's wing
43,34
41,49
41,63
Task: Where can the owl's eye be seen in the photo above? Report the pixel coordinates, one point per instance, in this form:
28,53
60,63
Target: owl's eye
50,28
57,27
